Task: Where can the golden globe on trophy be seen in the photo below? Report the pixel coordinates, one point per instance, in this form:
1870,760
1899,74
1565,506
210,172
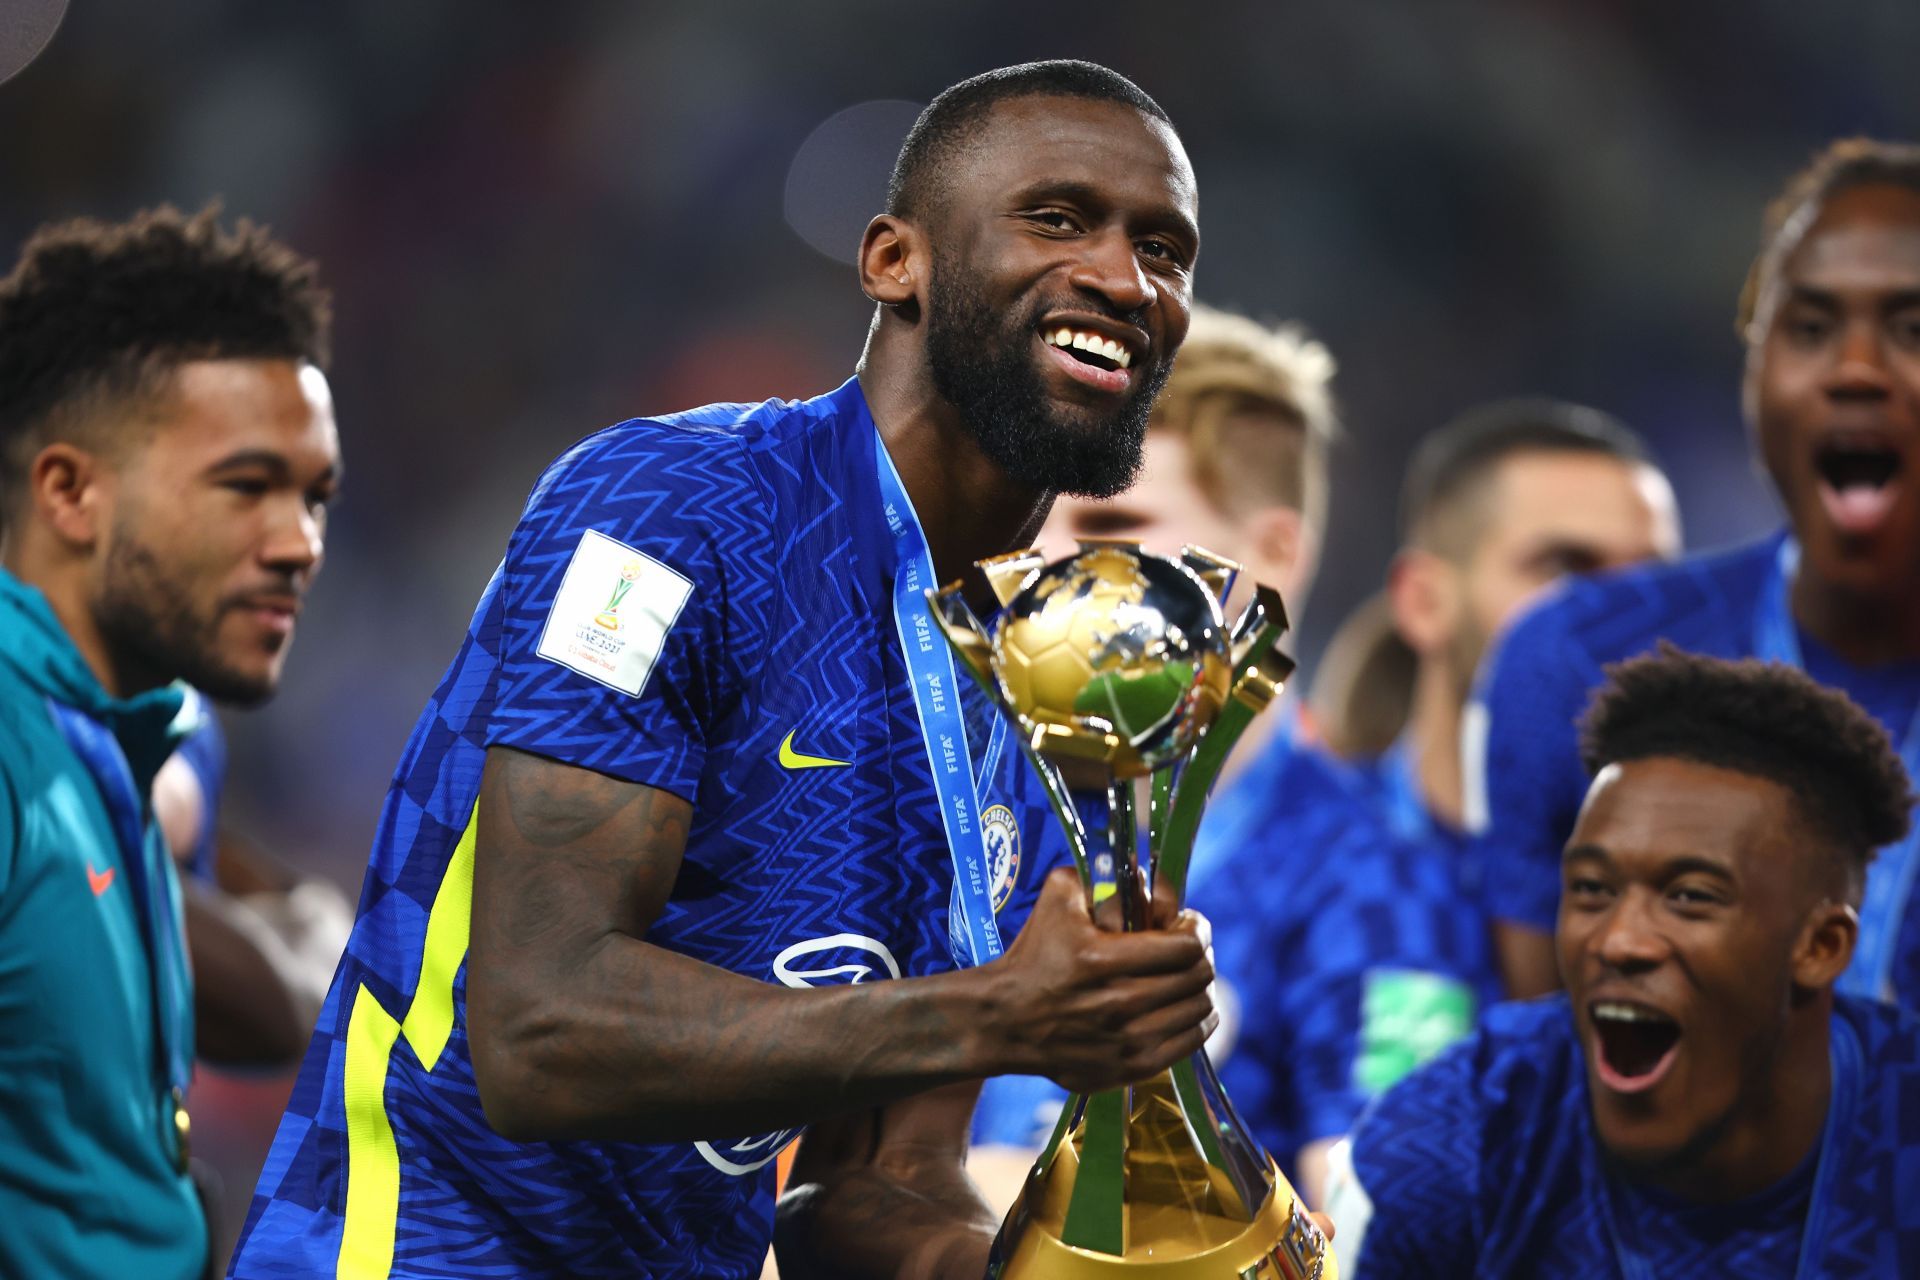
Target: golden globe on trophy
1120,665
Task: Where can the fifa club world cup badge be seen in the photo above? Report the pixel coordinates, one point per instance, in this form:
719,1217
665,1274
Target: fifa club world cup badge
1120,666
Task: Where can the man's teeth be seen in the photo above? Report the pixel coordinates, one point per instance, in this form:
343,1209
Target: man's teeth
1627,1013
1092,342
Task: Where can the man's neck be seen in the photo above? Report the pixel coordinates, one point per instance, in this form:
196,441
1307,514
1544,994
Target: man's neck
968,508
1434,731
65,590
1768,1138
1865,630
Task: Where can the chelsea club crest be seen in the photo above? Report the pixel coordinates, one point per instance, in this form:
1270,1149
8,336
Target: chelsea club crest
1002,835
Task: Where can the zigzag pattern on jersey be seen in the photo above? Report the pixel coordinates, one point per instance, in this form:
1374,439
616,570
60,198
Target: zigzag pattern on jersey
762,514
1485,1163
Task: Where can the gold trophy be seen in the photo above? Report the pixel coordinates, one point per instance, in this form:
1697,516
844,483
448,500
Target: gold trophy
1119,665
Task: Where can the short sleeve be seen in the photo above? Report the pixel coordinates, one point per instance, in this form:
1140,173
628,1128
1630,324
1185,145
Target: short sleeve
1402,1194
625,604
1523,781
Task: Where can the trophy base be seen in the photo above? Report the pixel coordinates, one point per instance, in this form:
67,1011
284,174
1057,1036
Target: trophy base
1180,1218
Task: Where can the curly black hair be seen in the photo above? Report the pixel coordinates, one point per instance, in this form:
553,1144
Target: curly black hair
954,118
96,314
1765,719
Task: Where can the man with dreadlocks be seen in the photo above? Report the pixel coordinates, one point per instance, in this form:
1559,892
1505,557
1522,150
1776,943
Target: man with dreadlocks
167,452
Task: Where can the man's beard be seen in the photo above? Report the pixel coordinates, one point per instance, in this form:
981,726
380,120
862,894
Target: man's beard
986,370
146,618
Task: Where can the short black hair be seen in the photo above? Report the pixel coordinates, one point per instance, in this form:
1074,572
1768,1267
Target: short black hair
1840,166
1764,719
954,118
1454,462
96,312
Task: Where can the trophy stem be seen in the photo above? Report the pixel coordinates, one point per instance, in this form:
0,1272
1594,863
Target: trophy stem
1123,838
1175,851
1159,804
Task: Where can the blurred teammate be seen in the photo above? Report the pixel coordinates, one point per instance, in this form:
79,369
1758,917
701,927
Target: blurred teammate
1355,948
1497,505
167,451
679,805
263,940
1831,319
1236,462
1700,1102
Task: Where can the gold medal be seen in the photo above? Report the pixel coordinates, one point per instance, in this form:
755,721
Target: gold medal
182,1129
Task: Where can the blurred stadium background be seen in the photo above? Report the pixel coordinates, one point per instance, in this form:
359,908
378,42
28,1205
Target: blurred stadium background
539,219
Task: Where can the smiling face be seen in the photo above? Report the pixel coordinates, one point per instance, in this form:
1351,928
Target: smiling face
1833,388
1686,891
1062,286
217,527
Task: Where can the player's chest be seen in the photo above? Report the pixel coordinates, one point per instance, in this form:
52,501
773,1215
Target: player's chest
821,818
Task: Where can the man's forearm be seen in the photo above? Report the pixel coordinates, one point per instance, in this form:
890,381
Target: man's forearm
645,1044
579,1027
871,1227
885,1195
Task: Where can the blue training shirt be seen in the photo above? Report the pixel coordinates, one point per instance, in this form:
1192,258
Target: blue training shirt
690,603
1485,1164
1524,779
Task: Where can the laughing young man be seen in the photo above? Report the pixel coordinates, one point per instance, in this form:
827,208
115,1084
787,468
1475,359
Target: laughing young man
1700,1101
1831,318
703,775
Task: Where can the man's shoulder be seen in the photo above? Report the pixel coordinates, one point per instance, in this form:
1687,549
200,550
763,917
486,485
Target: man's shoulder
1889,1038
721,434
1703,603
1517,1062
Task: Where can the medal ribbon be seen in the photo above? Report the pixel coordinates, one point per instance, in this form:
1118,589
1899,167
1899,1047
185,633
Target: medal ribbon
1890,876
936,696
155,893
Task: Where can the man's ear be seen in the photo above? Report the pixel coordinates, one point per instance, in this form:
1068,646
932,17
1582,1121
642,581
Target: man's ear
1423,593
1282,544
67,490
1825,946
893,260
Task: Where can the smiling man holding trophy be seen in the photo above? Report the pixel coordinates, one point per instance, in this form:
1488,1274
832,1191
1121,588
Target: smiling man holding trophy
1118,666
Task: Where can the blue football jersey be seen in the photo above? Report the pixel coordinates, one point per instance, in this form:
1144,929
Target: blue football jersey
700,604
1346,956
1524,778
1484,1163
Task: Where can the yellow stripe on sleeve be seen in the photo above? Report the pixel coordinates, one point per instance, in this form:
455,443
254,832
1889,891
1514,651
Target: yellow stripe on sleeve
373,1158
430,1017
373,1162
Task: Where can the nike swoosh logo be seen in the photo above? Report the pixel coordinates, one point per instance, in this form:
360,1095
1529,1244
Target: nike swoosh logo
791,759
99,881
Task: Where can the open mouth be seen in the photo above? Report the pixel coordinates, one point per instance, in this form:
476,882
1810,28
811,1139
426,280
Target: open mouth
1091,359
1855,481
1635,1045
1089,348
